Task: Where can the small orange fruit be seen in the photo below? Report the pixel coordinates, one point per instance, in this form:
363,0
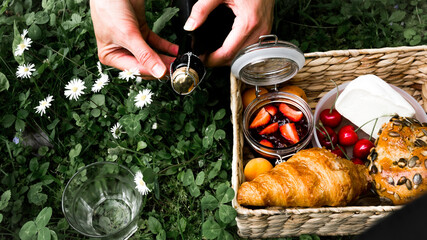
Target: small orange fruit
294,90
249,95
255,167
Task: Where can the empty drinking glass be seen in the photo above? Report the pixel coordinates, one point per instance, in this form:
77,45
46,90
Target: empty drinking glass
101,201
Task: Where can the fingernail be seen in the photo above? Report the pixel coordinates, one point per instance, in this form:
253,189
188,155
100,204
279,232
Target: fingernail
189,25
158,70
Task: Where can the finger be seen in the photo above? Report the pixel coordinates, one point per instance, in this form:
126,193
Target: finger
122,59
161,44
146,57
199,13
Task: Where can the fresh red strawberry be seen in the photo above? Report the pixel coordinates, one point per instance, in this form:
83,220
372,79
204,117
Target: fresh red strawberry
271,109
289,131
266,143
292,114
261,119
270,128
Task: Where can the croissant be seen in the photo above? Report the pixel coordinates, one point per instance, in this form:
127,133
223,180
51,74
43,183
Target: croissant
313,177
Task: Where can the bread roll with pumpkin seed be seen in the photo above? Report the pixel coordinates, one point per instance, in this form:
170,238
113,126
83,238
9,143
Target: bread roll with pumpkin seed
398,163
313,177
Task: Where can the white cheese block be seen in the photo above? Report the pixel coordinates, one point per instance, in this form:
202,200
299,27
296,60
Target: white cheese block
368,97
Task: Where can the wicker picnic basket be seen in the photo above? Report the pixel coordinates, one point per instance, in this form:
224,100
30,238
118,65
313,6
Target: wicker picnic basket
404,67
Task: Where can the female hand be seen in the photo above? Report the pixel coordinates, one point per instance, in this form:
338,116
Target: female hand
253,19
124,39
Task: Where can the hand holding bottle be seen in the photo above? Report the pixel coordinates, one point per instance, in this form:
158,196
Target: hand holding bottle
253,19
124,39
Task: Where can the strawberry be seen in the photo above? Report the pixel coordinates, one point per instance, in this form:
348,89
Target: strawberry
271,109
261,119
292,114
266,143
289,131
270,128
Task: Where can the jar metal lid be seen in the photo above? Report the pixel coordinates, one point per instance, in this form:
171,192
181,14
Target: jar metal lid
267,62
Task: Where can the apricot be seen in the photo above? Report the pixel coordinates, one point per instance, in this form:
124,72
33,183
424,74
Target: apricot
255,167
249,95
294,90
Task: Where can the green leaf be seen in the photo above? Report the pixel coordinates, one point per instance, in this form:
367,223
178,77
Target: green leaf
219,134
194,190
141,145
4,83
34,165
215,170
1,217
409,33
227,213
19,125
200,178
35,196
4,200
224,235
95,112
44,234
28,231
397,16
188,178
41,18
29,18
148,175
22,114
415,41
8,120
305,237
166,16
53,235
53,124
224,193
154,225
209,202
210,229
62,225
75,21
207,142
220,114
74,152
210,130
44,217
34,32
131,124
189,127
97,100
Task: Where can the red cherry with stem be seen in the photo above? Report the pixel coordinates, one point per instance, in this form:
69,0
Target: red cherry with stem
347,135
362,148
357,161
339,151
330,117
322,135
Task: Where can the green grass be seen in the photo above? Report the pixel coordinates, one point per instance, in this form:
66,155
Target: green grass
187,158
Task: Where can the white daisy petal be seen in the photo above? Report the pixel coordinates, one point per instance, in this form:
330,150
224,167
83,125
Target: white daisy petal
25,70
43,105
24,33
99,67
74,89
115,130
140,184
129,74
143,98
100,83
24,45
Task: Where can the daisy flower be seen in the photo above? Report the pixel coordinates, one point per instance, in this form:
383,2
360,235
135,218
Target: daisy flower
74,89
129,74
143,98
140,184
24,45
154,126
100,83
115,130
25,71
43,104
24,33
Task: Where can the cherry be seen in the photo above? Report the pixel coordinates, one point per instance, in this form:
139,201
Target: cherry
323,138
339,151
347,136
362,148
357,161
330,117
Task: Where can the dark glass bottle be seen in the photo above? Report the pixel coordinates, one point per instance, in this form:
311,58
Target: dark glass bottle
187,71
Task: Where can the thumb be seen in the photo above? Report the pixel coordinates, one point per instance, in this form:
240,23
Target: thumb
200,11
151,62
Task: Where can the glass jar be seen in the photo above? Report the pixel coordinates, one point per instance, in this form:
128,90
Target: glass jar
268,63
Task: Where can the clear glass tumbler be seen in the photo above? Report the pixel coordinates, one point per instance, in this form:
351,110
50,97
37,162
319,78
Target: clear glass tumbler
101,201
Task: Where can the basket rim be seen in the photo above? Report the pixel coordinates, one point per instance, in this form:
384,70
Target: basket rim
355,52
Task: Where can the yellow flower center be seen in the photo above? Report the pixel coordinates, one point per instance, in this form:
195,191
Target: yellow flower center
22,46
44,103
141,182
143,97
74,89
26,69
